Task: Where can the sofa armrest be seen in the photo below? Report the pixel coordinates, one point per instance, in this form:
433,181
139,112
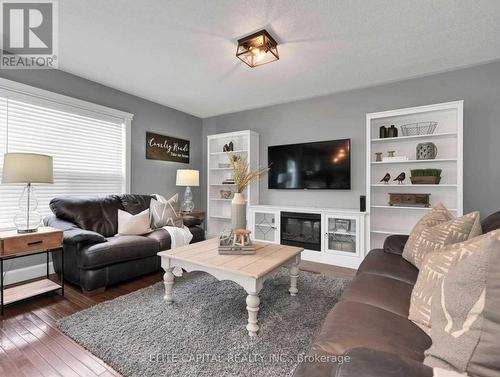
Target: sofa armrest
395,244
366,362
72,233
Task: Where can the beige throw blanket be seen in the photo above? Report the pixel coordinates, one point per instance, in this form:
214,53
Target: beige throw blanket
179,237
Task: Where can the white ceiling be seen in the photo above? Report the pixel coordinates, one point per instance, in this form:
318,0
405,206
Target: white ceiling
181,53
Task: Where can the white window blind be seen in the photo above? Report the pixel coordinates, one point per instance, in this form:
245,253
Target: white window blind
88,152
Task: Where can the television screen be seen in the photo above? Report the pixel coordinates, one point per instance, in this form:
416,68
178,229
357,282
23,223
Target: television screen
319,165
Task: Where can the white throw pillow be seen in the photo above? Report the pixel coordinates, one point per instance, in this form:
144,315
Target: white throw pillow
133,225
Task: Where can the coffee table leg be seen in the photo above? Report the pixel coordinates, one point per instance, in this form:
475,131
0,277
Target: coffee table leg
294,276
253,302
168,280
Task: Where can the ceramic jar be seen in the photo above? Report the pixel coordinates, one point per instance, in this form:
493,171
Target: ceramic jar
238,211
392,131
426,151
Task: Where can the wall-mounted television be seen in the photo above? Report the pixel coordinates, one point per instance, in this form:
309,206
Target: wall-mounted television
321,165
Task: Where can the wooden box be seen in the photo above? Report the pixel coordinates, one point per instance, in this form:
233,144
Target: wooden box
417,200
425,180
236,250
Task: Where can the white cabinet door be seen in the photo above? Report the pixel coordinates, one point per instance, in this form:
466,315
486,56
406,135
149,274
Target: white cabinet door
265,225
342,234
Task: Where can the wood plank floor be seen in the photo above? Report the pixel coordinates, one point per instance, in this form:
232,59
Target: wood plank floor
31,345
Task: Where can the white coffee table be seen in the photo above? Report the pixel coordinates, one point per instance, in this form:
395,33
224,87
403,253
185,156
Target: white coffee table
249,271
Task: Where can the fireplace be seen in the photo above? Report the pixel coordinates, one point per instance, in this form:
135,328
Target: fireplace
301,229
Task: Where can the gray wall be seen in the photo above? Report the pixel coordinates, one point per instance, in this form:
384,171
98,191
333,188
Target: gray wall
343,116
147,176
334,116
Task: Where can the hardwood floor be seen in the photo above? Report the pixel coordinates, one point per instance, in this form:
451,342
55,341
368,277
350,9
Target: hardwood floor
31,345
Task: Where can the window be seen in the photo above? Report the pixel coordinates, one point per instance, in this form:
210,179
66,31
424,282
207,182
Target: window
88,149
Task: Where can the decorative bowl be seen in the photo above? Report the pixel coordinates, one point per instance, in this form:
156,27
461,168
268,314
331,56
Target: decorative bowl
226,194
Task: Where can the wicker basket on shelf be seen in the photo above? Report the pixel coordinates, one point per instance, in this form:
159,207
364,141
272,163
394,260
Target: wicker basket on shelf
421,128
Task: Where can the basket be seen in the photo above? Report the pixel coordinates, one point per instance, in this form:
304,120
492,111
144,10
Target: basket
422,128
425,180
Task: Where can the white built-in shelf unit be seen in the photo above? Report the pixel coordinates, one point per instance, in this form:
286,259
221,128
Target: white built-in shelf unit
383,219
246,145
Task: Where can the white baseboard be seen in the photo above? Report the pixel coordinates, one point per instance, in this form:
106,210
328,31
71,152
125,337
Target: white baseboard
26,273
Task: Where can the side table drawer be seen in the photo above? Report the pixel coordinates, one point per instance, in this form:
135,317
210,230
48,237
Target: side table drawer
31,243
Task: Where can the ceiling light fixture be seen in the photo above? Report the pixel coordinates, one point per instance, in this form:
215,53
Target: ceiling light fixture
257,49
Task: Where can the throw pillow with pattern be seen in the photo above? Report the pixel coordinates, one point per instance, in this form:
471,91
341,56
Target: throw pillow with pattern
165,214
466,315
437,215
434,268
434,237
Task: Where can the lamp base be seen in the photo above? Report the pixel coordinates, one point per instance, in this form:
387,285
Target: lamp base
27,219
24,231
187,201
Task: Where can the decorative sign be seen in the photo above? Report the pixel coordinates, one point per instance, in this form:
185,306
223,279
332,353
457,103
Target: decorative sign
166,148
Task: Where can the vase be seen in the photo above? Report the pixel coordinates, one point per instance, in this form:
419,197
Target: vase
238,211
392,131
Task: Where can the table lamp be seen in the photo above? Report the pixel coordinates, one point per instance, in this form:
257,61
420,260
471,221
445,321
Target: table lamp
188,178
27,168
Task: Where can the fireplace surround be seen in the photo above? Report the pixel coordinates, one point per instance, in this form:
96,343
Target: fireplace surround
327,235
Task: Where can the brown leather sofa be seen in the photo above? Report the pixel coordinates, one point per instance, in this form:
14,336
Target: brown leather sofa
94,255
369,327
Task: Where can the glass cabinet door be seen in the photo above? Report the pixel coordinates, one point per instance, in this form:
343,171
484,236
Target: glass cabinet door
342,235
266,226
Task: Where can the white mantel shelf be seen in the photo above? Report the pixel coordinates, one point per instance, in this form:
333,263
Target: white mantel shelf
307,209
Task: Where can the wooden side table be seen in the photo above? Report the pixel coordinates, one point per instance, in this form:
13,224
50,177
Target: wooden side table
198,214
201,215
14,245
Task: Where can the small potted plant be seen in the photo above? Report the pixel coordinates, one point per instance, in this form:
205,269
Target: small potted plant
425,176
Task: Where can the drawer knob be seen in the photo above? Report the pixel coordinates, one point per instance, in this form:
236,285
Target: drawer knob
35,243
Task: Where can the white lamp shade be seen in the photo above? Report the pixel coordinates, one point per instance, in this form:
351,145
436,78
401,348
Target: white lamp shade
187,177
27,168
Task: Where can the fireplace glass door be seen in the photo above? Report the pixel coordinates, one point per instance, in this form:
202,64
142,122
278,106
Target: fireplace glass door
301,229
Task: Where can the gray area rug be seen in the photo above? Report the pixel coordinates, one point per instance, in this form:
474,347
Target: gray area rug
203,332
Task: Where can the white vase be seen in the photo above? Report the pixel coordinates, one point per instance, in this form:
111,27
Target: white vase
238,211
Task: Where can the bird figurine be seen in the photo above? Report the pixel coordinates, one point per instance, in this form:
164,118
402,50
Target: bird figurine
400,178
386,179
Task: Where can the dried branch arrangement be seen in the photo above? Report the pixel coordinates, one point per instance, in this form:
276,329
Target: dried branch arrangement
243,176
